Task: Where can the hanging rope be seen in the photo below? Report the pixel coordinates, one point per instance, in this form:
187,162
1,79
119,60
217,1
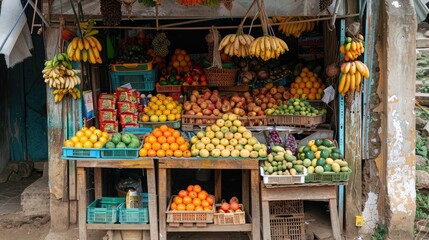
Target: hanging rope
217,61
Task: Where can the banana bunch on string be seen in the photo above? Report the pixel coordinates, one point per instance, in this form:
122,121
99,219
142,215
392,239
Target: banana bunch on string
352,75
268,47
294,29
60,76
353,47
86,47
237,44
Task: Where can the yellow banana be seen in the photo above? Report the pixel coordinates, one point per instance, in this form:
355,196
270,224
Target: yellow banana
80,44
74,42
86,44
91,56
232,38
84,55
77,55
347,85
352,82
358,79
353,68
97,43
342,83
96,53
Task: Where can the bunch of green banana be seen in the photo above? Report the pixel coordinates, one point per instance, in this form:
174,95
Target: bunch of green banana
237,44
60,93
294,29
268,47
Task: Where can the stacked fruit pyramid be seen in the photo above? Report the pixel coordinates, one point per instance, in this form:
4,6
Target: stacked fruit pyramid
307,86
88,138
161,109
194,198
165,142
227,138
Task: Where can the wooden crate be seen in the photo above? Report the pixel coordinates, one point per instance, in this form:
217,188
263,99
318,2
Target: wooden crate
191,121
200,218
291,227
295,120
230,218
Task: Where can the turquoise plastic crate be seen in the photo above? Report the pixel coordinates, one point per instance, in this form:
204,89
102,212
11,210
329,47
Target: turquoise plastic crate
104,210
84,153
142,81
135,215
121,153
137,131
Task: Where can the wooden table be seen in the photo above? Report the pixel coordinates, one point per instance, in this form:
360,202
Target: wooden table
308,191
250,199
142,163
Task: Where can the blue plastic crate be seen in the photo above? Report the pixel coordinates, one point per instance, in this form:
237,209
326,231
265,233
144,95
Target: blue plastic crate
104,210
142,81
137,131
84,153
135,215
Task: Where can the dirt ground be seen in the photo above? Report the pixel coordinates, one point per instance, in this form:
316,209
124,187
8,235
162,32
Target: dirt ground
17,226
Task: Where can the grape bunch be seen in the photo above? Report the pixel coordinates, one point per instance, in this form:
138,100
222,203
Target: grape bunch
290,143
160,44
274,138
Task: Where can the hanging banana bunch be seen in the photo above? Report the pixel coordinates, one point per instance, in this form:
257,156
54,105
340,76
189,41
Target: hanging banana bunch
352,75
294,29
353,47
60,76
237,44
86,47
268,46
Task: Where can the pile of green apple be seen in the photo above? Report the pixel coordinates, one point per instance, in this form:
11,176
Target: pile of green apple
227,138
295,106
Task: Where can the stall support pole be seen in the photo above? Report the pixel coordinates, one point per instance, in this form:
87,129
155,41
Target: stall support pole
341,134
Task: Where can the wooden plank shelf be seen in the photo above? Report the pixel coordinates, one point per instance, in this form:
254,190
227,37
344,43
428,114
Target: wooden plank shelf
213,228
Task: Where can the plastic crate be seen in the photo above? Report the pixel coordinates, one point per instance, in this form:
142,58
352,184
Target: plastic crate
131,67
121,153
230,218
282,179
286,207
153,125
141,81
328,177
83,153
137,131
189,216
135,215
104,210
291,227
295,120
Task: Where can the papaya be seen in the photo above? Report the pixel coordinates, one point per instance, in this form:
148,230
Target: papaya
278,158
278,149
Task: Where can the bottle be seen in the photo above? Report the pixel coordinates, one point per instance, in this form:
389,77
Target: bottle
132,199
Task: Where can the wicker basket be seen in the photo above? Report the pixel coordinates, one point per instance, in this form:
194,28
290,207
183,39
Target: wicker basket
221,77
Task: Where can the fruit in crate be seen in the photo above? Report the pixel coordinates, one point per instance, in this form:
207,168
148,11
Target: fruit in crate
88,138
190,2
321,155
161,109
227,137
196,77
296,106
282,162
193,198
307,85
165,142
229,207
86,47
180,61
126,140
270,96
60,76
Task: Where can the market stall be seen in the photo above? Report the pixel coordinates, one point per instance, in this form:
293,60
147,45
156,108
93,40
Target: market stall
263,101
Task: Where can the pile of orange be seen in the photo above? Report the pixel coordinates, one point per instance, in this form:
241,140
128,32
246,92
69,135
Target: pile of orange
192,199
180,61
165,142
307,86
161,109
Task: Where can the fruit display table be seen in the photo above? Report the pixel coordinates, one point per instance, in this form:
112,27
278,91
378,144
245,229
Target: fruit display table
97,165
250,193
308,191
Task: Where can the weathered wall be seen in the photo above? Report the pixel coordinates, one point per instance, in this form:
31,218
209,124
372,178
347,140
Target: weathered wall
4,116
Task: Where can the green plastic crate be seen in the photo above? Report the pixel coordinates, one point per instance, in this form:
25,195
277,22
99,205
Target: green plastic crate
121,153
153,125
141,81
104,210
328,177
135,215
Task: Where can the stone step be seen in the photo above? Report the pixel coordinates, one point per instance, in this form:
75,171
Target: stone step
35,198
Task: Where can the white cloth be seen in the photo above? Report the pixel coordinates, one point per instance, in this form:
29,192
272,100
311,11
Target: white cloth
18,44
